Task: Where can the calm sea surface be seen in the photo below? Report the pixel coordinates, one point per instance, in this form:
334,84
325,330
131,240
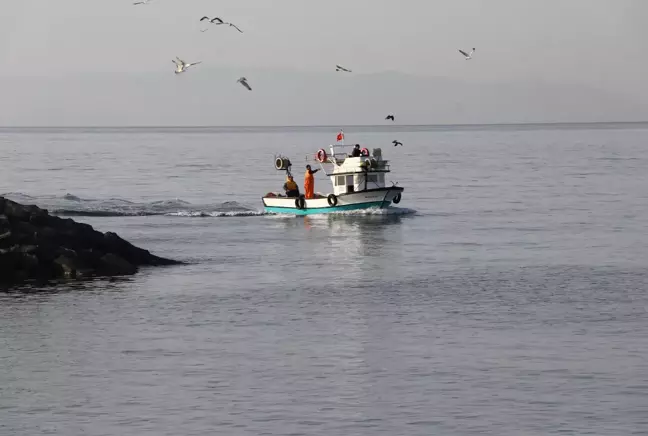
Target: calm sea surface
507,294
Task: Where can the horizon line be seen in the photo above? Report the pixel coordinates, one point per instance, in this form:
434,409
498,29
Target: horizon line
338,126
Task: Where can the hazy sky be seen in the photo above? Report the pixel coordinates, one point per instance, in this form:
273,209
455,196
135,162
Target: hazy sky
598,43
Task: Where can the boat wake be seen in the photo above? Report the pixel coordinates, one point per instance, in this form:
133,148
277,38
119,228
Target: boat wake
72,206
391,211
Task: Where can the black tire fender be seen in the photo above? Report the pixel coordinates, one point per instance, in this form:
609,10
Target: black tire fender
397,199
300,202
332,200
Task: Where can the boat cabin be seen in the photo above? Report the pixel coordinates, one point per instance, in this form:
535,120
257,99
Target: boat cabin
354,174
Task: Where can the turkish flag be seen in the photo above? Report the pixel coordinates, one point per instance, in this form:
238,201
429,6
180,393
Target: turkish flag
340,136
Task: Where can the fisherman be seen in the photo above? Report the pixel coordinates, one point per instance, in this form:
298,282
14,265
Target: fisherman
309,182
291,188
356,151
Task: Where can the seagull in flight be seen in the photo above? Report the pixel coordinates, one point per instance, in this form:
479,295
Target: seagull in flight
143,2
466,55
341,68
234,26
243,81
181,66
390,117
217,21
396,143
210,20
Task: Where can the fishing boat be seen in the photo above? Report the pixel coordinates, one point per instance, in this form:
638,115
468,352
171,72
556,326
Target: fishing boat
357,183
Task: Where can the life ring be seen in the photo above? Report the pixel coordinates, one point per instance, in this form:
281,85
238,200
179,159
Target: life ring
397,199
364,151
300,202
321,155
332,200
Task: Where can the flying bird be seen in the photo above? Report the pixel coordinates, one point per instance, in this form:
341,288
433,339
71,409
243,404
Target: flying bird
143,2
341,68
243,81
217,21
234,26
181,66
396,143
389,117
212,20
466,55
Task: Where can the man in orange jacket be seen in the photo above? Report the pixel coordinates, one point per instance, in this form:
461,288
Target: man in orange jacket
309,182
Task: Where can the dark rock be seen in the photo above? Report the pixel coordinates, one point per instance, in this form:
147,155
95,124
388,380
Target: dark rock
39,220
113,265
46,233
25,228
68,265
36,245
27,249
7,239
46,253
133,254
15,210
91,256
28,262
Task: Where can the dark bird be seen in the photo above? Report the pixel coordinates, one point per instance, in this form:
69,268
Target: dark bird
216,20
389,117
204,18
243,81
234,26
396,143
341,68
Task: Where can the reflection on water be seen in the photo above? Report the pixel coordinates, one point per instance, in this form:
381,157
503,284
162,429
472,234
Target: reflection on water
362,235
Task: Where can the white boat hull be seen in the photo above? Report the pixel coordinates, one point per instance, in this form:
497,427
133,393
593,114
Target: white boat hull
372,198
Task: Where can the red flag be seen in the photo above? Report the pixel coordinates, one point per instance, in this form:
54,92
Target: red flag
340,136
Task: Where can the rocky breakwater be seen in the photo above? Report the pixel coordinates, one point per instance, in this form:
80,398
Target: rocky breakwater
35,245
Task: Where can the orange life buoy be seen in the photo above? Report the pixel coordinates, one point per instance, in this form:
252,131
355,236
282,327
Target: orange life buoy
321,155
364,151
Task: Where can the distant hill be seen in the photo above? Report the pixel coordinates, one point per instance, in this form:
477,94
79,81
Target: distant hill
210,96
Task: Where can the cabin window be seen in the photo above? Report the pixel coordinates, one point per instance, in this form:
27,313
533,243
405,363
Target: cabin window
349,180
381,179
372,178
340,180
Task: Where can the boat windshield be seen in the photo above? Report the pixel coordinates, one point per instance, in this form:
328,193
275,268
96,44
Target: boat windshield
341,151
